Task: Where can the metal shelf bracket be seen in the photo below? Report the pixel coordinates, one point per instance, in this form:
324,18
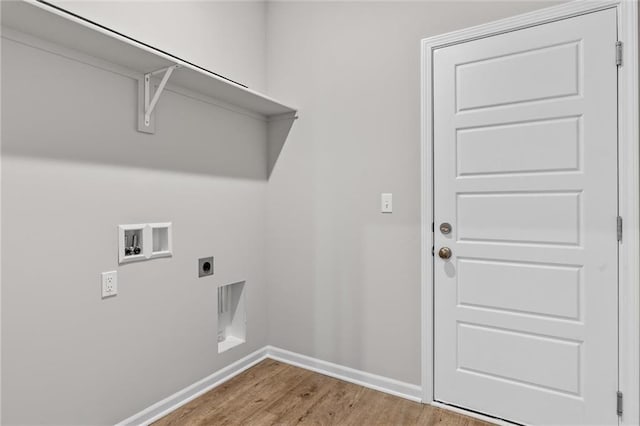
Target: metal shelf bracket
149,103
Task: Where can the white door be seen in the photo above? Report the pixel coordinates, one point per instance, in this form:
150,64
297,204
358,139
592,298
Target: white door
525,172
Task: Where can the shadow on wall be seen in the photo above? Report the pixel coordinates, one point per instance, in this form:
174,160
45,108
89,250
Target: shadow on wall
58,108
277,134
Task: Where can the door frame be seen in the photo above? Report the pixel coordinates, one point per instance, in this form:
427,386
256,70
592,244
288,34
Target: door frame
628,183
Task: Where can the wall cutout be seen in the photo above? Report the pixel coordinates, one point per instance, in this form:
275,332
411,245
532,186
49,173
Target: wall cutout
131,243
232,321
144,241
161,240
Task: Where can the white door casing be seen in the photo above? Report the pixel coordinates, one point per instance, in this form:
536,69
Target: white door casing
525,170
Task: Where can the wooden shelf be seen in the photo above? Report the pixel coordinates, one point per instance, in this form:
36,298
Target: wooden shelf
58,26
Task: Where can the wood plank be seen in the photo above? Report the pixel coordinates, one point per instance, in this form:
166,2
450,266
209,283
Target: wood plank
255,402
335,406
294,405
274,393
377,408
434,416
229,394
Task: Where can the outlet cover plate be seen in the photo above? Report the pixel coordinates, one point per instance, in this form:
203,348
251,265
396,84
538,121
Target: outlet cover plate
205,266
386,202
109,284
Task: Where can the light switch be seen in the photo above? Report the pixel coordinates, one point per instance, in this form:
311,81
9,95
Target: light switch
386,203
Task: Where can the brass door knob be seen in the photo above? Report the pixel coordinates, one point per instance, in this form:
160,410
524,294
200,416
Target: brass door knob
444,253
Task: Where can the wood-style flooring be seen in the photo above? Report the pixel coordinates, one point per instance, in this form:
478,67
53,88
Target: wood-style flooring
274,393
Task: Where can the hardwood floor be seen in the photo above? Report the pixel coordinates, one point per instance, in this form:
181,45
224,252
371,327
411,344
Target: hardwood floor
274,393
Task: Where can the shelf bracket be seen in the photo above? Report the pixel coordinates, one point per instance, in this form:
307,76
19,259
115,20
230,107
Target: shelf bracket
149,103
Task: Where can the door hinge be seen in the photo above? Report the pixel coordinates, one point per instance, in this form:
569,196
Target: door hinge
619,228
433,251
619,403
618,53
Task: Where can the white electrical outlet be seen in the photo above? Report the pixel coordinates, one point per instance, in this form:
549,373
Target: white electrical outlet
109,284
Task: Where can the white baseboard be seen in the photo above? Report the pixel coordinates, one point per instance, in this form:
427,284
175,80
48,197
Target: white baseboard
362,378
178,399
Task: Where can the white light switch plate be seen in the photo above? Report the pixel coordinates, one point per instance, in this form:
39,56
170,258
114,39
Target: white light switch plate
109,284
386,203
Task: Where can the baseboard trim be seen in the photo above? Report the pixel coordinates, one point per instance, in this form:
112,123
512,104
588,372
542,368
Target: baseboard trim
358,377
191,392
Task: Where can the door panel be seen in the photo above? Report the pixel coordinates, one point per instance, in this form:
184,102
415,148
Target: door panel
500,285
525,170
520,148
521,76
520,218
505,354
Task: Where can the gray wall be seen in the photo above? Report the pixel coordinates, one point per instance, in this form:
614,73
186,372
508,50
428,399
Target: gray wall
225,36
73,168
344,279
